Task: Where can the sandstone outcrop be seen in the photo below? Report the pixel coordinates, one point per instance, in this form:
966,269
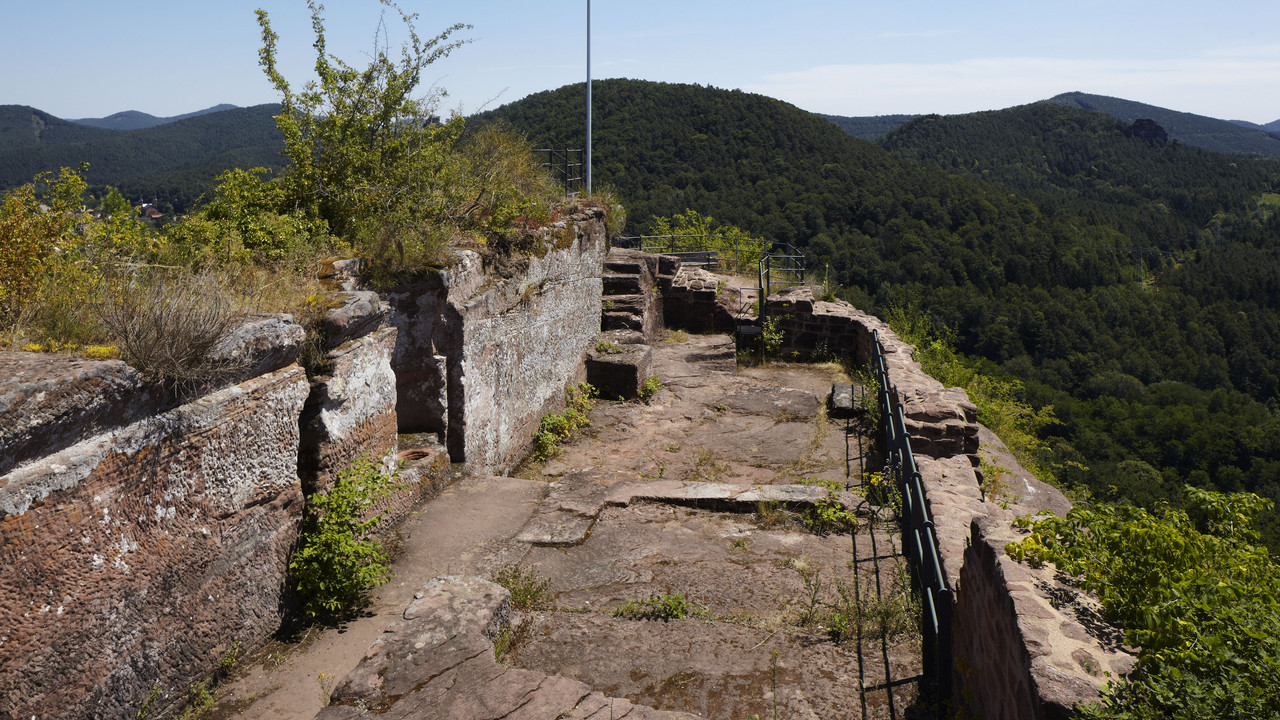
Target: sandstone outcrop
141,550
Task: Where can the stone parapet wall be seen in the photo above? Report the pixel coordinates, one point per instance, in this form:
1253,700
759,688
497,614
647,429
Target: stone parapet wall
137,554
691,300
1027,644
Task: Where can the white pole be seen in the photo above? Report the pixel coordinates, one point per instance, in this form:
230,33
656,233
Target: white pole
588,98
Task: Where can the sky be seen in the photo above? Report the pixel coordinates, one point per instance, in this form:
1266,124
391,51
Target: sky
79,59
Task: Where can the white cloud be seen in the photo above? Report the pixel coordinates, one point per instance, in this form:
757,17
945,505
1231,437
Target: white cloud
1230,83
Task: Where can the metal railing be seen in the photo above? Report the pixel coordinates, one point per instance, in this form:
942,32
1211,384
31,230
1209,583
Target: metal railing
565,166
741,256
919,540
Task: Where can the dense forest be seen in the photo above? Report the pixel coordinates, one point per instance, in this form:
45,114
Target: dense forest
871,127
172,163
1132,283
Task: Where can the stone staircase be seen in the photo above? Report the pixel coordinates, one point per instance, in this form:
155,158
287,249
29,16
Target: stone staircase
630,302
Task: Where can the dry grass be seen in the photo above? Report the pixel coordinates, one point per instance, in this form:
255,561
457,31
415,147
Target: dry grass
168,326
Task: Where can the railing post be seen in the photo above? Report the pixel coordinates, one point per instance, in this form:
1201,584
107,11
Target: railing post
929,640
945,604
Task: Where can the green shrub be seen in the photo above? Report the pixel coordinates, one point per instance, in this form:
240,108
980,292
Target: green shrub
691,230
770,337
1190,589
337,560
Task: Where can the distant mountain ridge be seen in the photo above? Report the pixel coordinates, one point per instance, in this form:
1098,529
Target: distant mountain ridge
174,162
1273,127
1205,132
135,120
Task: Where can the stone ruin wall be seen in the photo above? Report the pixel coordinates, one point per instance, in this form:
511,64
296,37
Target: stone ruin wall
142,535
480,359
1027,645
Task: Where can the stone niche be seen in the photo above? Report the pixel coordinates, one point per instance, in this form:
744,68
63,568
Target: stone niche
147,534
481,357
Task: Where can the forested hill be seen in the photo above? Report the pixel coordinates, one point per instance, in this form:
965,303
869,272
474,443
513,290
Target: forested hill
22,126
1088,162
1135,286
1205,132
871,127
747,159
173,163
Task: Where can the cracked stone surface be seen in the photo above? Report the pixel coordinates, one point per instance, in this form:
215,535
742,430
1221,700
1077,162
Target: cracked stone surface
621,515
437,661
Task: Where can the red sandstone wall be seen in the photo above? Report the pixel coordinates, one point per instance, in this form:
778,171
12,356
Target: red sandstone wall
137,556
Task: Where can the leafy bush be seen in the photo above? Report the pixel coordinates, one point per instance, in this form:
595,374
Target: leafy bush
691,230
337,560
246,222
1190,589
371,160
54,257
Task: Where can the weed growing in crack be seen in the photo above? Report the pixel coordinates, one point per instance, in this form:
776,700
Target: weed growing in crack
326,682
829,514
510,640
528,589
706,468
145,711
770,514
659,607
201,702
650,387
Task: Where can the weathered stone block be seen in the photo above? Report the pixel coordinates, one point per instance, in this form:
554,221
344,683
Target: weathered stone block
358,313
619,370
351,410
49,402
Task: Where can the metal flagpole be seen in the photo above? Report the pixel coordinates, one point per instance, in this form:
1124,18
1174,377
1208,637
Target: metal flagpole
588,98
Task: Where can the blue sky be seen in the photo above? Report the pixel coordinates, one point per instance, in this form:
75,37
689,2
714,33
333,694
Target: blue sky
88,59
